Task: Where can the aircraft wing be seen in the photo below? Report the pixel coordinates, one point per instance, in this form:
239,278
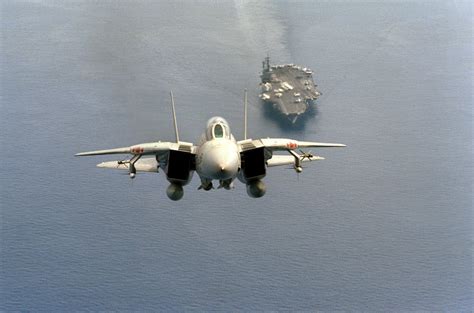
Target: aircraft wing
278,160
142,165
283,144
150,148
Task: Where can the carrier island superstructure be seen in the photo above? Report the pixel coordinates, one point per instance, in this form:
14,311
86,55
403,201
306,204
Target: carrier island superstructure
288,88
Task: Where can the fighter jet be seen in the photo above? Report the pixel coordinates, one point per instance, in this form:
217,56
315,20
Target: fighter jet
217,157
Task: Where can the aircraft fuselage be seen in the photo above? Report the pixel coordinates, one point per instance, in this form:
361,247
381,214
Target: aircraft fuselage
217,157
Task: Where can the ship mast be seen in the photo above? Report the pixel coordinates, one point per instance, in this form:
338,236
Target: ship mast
266,64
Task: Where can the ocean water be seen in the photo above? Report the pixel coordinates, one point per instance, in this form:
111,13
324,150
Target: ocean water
383,225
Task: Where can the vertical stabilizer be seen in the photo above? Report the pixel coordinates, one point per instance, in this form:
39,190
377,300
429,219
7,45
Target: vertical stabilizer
245,114
174,117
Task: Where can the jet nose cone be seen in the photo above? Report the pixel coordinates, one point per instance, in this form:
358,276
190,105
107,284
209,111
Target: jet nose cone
224,166
226,170
220,160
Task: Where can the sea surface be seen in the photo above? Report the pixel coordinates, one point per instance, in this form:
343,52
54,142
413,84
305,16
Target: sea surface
384,225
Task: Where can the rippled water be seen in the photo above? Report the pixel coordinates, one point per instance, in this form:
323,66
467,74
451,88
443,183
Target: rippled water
383,225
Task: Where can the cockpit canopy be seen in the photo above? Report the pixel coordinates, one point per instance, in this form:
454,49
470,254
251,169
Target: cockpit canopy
216,128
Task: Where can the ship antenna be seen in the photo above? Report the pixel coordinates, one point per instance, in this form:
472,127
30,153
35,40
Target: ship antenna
174,117
245,114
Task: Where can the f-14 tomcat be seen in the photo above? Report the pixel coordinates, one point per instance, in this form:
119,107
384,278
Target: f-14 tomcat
218,156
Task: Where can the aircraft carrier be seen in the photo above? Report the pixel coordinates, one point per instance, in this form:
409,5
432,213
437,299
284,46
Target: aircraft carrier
288,88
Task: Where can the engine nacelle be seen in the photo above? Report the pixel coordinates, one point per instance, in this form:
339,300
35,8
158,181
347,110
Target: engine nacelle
175,192
256,189
179,167
253,165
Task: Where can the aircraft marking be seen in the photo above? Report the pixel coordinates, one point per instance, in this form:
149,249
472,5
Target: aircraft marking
292,145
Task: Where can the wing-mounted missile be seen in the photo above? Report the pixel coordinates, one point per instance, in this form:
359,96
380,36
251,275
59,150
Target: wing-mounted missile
278,159
133,165
303,157
306,155
298,159
132,171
